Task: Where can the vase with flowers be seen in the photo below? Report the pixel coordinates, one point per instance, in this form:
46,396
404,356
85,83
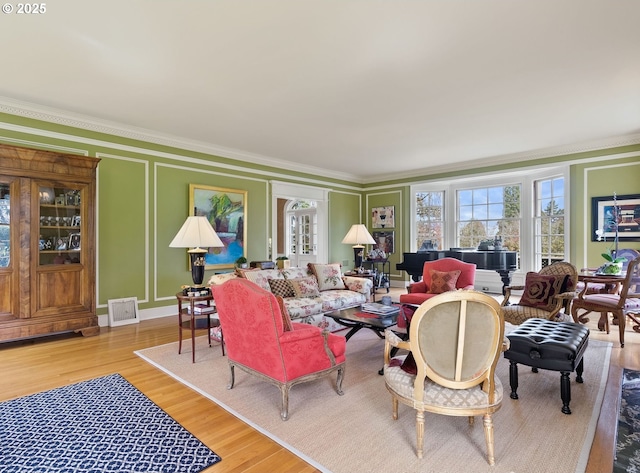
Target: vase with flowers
613,263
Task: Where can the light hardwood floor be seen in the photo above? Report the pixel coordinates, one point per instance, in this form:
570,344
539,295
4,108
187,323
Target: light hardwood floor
40,364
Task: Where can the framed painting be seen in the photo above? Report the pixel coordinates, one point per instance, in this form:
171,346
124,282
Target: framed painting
226,210
383,217
384,241
603,217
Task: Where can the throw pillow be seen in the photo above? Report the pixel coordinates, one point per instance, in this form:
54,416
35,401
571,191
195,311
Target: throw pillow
443,281
281,288
409,365
255,275
540,289
329,276
305,287
286,319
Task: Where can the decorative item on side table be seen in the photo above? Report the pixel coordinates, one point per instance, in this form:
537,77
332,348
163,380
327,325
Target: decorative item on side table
358,236
283,262
196,232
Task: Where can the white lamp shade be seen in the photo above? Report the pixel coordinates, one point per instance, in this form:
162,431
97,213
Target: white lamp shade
358,235
196,232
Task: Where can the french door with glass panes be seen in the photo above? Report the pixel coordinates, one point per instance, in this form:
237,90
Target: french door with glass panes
303,235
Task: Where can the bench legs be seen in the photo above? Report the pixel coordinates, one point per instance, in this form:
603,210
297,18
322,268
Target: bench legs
565,383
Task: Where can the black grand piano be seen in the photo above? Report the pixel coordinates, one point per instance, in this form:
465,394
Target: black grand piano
503,262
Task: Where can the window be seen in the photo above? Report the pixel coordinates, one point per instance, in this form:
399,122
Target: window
525,208
487,214
549,221
429,219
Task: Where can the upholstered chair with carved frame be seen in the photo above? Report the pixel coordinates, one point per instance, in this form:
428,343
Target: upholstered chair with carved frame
261,340
438,276
455,341
623,304
546,294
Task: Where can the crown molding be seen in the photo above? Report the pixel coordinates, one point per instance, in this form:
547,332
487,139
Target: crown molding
65,118
542,153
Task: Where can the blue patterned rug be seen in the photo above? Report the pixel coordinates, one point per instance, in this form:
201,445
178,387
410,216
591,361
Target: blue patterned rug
101,425
628,442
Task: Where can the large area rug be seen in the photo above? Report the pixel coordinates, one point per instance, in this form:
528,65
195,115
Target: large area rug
101,425
628,436
355,433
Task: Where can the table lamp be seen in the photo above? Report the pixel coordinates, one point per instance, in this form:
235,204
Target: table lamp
198,234
358,236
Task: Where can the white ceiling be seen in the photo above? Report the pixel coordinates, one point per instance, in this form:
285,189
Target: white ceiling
360,89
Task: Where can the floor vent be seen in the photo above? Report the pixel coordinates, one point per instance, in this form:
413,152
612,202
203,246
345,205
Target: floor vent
123,311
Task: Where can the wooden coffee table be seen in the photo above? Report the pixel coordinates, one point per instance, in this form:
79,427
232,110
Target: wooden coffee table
348,318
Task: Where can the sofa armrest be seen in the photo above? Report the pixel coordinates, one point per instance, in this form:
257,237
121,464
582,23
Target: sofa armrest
356,284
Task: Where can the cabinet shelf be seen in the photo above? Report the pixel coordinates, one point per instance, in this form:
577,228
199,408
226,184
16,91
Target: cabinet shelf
55,252
53,206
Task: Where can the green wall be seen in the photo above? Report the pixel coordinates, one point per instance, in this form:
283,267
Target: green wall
344,211
143,200
599,179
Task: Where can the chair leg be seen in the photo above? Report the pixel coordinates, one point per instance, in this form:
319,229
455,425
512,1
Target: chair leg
632,316
419,433
394,407
488,435
621,326
339,381
232,377
284,412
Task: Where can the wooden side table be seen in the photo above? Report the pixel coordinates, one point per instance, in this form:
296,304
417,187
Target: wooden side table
188,317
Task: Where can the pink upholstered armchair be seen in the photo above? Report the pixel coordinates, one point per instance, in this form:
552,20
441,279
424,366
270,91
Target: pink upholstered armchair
442,275
261,340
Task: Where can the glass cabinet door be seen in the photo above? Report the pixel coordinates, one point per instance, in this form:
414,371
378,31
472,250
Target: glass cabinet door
60,236
5,226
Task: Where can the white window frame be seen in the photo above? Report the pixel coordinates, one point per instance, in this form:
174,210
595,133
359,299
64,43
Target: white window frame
526,178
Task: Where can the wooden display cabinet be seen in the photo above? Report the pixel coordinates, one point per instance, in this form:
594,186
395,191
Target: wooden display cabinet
47,243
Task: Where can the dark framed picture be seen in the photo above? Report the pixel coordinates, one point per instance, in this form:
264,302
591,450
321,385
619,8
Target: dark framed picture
384,241
604,217
74,241
226,210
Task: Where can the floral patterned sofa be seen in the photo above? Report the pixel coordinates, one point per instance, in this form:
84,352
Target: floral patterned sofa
310,292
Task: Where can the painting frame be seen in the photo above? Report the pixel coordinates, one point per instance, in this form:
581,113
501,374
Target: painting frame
385,241
226,210
629,220
383,217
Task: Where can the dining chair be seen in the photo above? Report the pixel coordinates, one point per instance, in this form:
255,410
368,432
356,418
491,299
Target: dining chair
625,303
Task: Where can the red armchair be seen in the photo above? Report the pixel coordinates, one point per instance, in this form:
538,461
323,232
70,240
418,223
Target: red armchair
261,340
442,280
